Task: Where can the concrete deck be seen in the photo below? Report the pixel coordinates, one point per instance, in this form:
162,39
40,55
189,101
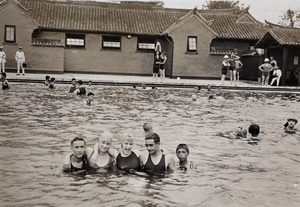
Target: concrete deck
123,80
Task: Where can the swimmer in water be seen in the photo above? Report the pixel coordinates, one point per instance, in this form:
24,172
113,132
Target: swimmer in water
254,130
126,158
51,85
47,80
148,129
237,134
5,85
154,160
73,86
182,152
289,126
89,98
77,162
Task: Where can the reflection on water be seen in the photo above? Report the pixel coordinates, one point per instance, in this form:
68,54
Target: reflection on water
37,125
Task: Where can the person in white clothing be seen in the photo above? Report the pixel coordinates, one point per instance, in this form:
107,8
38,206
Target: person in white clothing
276,75
2,59
20,58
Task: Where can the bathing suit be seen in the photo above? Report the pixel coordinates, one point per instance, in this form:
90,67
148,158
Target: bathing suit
110,161
82,91
130,162
225,66
155,65
162,66
232,64
85,165
190,166
161,166
4,86
72,89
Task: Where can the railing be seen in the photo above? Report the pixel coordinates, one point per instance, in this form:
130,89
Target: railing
47,42
222,51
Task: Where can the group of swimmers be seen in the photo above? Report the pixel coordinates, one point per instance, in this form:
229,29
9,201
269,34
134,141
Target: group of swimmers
102,156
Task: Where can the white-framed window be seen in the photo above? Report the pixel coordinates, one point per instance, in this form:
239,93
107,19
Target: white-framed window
111,42
146,43
75,40
10,34
192,44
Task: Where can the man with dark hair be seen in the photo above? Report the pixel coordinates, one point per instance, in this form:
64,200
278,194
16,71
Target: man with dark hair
154,160
73,86
80,90
77,163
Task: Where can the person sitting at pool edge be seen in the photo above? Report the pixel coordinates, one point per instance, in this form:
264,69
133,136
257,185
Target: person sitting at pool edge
289,126
77,162
154,160
254,130
182,152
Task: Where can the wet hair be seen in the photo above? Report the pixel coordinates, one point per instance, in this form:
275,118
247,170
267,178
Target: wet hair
77,139
3,74
52,79
183,146
254,129
155,137
47,77
147,127
80,82
73,79
90,94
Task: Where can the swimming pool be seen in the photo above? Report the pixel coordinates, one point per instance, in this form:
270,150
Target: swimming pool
37,125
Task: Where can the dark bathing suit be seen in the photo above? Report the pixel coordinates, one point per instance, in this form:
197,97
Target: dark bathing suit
130,162
85,165
72,89
160,167
5,87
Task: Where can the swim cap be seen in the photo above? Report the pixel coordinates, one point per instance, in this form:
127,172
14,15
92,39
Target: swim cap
267,60
295,120
226,56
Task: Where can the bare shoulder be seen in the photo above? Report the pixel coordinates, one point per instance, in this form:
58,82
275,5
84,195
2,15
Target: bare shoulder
137,152
89,151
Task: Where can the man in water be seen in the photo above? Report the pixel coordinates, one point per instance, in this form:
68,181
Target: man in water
76,163
154,160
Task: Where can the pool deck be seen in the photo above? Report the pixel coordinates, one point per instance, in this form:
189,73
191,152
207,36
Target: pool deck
129,80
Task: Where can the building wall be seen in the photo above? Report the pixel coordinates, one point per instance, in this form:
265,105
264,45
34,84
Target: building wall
199,64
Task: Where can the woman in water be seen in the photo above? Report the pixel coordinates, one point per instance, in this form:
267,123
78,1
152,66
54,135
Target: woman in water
99,156
125,158
182,152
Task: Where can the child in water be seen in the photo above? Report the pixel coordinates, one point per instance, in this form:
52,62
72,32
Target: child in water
89,98
148,129
5,85
47,80
254,130
51,85
182,152
289,126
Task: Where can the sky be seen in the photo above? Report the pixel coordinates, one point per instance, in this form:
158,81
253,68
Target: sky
261,10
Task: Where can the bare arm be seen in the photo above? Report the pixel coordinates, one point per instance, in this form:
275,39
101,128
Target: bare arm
170,163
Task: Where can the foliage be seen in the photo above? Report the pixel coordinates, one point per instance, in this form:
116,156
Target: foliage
290,18
211,4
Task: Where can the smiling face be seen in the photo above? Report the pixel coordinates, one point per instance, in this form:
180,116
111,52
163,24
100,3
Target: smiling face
182,154
104,144
78,148
126,146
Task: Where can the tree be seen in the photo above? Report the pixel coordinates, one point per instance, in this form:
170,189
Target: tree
211,4
290,18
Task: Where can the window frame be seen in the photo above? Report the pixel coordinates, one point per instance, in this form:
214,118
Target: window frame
75,36
110,39
6,36
188,45
146,41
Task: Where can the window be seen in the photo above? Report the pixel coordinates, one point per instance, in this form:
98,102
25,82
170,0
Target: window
10,33
75,40
146,43
192,44
296,60
112,42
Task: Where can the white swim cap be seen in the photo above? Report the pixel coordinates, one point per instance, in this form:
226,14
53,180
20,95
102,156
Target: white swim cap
267,60
226,56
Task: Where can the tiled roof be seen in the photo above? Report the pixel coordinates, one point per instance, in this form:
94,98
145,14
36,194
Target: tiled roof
93,17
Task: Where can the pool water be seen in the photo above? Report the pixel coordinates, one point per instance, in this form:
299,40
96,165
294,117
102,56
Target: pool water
37,125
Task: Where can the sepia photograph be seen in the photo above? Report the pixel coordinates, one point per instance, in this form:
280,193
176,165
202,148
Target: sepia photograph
149,103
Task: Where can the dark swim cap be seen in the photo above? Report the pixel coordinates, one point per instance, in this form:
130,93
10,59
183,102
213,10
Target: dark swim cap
183,146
